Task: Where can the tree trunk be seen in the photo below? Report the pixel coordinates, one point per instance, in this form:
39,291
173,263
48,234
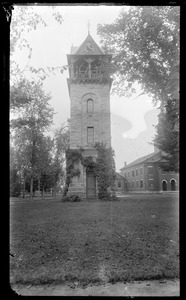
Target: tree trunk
31,188
43,192
39,187
54,193
23,186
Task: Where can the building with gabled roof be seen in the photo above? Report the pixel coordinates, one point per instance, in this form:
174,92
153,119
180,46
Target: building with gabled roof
145,174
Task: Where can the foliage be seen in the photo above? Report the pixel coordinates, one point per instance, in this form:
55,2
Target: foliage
88,162
103,167
15,185
167,136
104,171
28,127
71,198
26,19
30,104
73,156
144,42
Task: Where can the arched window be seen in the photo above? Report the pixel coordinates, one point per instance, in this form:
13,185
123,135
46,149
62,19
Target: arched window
90,106
173,184
119,184
164,185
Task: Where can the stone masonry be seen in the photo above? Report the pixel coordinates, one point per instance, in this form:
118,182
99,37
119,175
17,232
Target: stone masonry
84,85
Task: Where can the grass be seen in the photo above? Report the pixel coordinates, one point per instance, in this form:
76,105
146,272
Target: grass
135,238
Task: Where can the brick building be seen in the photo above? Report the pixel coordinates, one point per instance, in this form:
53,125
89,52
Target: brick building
89,91
145,174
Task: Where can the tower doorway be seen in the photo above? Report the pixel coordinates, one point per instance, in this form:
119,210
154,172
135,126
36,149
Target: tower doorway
90,184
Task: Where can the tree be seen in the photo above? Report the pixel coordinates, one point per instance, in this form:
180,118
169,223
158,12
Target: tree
15,185
61,144
43,159
29,124
167,136
24,20
144,42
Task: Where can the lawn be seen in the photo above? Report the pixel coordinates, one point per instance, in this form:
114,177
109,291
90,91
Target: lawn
135,238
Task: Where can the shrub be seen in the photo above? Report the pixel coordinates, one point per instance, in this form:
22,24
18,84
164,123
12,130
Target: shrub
71,198
108,197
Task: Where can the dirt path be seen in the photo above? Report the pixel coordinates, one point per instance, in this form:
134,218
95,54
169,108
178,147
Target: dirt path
137,288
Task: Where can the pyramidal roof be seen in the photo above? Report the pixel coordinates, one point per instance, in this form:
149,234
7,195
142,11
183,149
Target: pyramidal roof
88,47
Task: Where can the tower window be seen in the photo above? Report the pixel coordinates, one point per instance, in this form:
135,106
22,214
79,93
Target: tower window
90,106
90,135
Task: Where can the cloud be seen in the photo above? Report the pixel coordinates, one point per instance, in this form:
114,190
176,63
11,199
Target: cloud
133,111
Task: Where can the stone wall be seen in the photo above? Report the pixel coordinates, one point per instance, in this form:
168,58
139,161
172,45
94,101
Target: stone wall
80,119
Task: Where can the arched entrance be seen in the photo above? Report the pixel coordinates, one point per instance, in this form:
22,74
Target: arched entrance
164,185
173,185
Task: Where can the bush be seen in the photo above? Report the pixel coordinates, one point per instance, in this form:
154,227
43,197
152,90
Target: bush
109,198
71,198
15,189
114,198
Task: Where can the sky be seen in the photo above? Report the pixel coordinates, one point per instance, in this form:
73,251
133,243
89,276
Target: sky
132,121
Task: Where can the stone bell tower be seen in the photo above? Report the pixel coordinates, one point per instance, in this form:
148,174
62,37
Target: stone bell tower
89,90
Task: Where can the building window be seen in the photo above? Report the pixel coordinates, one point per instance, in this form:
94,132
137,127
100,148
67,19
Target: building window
125,174
136,172
90,106
141,171
132,173
129,173
129,184
90,135
141,183
150,169
136,183
119,184
132,184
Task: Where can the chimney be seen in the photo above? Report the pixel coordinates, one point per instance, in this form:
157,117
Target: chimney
125,163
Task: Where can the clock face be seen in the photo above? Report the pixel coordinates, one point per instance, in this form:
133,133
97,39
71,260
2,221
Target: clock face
89,47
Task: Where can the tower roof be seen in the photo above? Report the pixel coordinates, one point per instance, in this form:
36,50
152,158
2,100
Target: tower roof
88,47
